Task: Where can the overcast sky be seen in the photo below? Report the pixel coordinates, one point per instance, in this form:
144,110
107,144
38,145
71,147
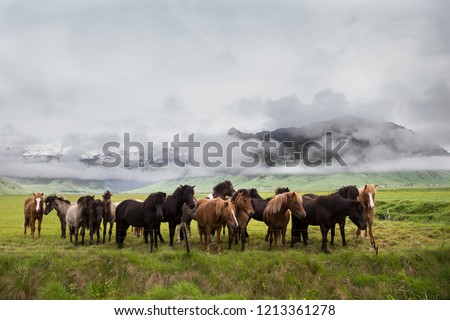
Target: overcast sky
91,70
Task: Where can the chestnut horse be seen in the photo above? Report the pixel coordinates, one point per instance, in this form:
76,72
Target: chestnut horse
244,211
276,214
33,210
367,198
211,215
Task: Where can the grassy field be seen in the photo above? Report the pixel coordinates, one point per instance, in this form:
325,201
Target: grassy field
413,260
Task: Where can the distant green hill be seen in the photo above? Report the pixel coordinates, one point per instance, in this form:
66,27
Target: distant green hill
304,183
309,182
8,187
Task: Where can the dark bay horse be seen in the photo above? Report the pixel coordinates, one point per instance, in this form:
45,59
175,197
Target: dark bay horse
243,211
109,214
61,206
98,214
33,210
211,215
147,214
325,211
276,214
347,192
223,190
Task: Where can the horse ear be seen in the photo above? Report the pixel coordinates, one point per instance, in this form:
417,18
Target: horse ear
365,187
376,186
193,186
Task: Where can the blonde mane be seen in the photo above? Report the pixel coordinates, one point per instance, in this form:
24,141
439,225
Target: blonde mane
276,203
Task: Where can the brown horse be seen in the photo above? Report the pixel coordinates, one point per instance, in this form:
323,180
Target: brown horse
109,214
367,198
276,214
211,215
244,211
33,210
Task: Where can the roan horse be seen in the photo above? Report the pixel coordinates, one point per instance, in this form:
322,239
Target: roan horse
81,215
61,206
109,214
325,211
244,211
211,215
276,214
147,214
33,210
367,198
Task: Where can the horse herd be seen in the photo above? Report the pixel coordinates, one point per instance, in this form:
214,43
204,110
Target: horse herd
225,208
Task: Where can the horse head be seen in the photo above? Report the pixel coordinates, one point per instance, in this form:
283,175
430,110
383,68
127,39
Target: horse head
99,210
188,195
158,202
226,211
39,201
49,204
243,202
356,214
367,196
254,193
295,204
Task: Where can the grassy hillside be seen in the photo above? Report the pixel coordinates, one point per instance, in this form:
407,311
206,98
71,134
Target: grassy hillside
8,187
309,183
412,262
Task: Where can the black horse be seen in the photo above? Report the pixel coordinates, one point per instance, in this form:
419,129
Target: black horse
325,211
147,214
172,209
223,190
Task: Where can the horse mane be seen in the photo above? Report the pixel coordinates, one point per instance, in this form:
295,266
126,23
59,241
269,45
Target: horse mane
275,204
151,199
281,190
97,203
254,193
221,186
222,205
243,192
54,196
348,192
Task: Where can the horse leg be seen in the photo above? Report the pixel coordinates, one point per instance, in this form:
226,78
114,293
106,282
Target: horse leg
358,234
83,233
267,235
333,229
324,231
243,237
91,233
161,239
230,237
111,224
342,229
218,241
178,232
152,231
33,227
208,240
186,238
172,227
105,223
146,231
283,237
270,232
76,235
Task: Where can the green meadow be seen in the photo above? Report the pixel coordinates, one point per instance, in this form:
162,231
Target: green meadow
412,263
